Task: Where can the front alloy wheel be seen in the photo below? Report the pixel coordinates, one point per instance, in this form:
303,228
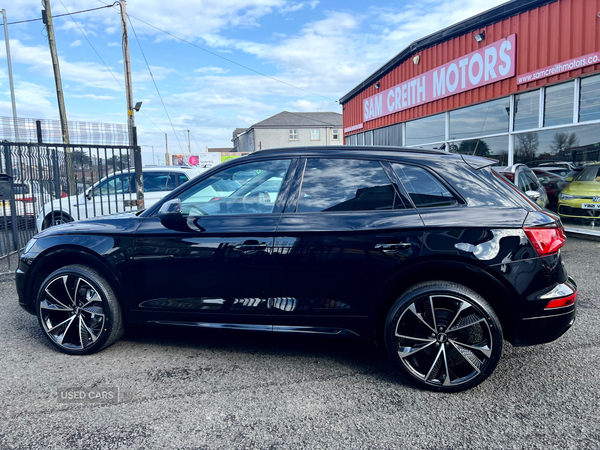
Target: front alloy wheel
444,336
78,311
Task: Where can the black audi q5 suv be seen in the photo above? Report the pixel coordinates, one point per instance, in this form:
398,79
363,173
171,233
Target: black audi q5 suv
431,254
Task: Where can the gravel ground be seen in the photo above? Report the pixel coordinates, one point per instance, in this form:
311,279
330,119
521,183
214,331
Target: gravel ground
200,389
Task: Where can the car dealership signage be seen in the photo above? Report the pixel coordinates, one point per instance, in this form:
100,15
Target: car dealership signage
487,65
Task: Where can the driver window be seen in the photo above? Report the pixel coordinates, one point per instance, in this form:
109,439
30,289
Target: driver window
114,185
250,188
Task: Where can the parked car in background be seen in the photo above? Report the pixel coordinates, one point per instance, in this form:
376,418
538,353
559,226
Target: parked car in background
113,194
430,253
569,177
581,199
560,171
524,178
550,182
563,164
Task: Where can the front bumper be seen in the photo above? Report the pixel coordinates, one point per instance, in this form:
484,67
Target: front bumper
573,208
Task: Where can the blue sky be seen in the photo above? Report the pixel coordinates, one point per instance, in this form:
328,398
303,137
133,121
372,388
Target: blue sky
325,47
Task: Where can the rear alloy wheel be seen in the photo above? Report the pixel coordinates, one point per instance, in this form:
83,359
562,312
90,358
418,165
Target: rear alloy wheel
78,310
444,336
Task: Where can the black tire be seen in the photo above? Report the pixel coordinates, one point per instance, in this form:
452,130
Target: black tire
78,310
56,218
463,350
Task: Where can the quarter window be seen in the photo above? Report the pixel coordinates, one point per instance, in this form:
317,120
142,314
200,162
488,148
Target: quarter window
314,135
423,188
346,185
293,135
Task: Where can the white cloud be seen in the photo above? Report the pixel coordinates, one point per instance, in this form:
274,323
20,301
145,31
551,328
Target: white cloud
76,43
113,44
213,70
95,97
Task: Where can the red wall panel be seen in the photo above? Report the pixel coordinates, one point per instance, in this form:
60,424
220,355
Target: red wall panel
546,35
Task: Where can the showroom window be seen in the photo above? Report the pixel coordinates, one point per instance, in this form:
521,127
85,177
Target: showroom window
315,134
527,110
391,135
422,187
558,109
480,120
334,185
426,130
360,139
494,147
293,135
574,144
589,99
368,137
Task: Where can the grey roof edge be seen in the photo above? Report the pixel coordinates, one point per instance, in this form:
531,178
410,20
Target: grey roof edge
316,121
500,12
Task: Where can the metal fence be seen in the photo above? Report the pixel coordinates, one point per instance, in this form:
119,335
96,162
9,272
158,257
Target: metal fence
46,184
49,131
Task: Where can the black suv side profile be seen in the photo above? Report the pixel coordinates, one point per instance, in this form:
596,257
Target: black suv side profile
431,254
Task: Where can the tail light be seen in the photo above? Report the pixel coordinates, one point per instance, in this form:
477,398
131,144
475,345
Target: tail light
509,175
546,240
562,302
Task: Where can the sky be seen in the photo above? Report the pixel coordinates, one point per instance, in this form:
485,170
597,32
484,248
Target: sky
217,64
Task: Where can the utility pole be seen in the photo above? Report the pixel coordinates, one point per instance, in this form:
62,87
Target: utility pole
137,152
189,143
47,19
167,158
10,77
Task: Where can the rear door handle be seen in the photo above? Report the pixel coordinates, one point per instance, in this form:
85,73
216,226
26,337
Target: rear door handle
392,248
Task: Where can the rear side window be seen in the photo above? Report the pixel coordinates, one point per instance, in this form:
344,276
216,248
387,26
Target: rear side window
346,185
423,188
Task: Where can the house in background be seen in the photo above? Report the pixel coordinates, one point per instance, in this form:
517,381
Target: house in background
290,129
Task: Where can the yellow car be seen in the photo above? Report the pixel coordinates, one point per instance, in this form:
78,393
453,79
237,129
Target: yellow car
581,198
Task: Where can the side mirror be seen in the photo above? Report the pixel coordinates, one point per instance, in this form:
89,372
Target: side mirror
533,195
171,216
88,193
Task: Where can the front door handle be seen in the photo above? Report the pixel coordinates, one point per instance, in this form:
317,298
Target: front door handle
392,248
250,246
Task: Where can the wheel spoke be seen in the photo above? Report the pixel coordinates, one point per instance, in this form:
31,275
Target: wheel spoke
469,323
64,279
434,363
469,357
89,331
433,313
447,381
419,316
483,348
94,298
61,337
57,300
463,305
45,304
403,352
403,336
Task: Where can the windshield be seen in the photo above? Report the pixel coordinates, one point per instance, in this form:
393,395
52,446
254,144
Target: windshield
591,173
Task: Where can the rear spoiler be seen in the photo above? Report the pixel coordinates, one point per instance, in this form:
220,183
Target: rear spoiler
477,162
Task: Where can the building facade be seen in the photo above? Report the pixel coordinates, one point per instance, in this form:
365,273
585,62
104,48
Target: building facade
519,83
290,129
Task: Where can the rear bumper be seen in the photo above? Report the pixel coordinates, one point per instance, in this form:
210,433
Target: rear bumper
550,324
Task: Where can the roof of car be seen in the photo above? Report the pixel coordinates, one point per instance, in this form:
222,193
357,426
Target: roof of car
371,149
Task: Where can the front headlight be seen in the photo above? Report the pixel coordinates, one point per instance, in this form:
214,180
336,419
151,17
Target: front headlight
566,197
30,244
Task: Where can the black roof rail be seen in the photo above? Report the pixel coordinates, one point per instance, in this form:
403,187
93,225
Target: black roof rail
370,148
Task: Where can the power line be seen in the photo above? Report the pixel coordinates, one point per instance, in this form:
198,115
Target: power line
154,81
98,54
62,15
231,61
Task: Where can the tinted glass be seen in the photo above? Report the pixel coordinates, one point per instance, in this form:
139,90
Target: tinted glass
21,188
223,193
346,185
591,173
156,181
527,110
423,131
559,104
424,189
480,120
589,100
